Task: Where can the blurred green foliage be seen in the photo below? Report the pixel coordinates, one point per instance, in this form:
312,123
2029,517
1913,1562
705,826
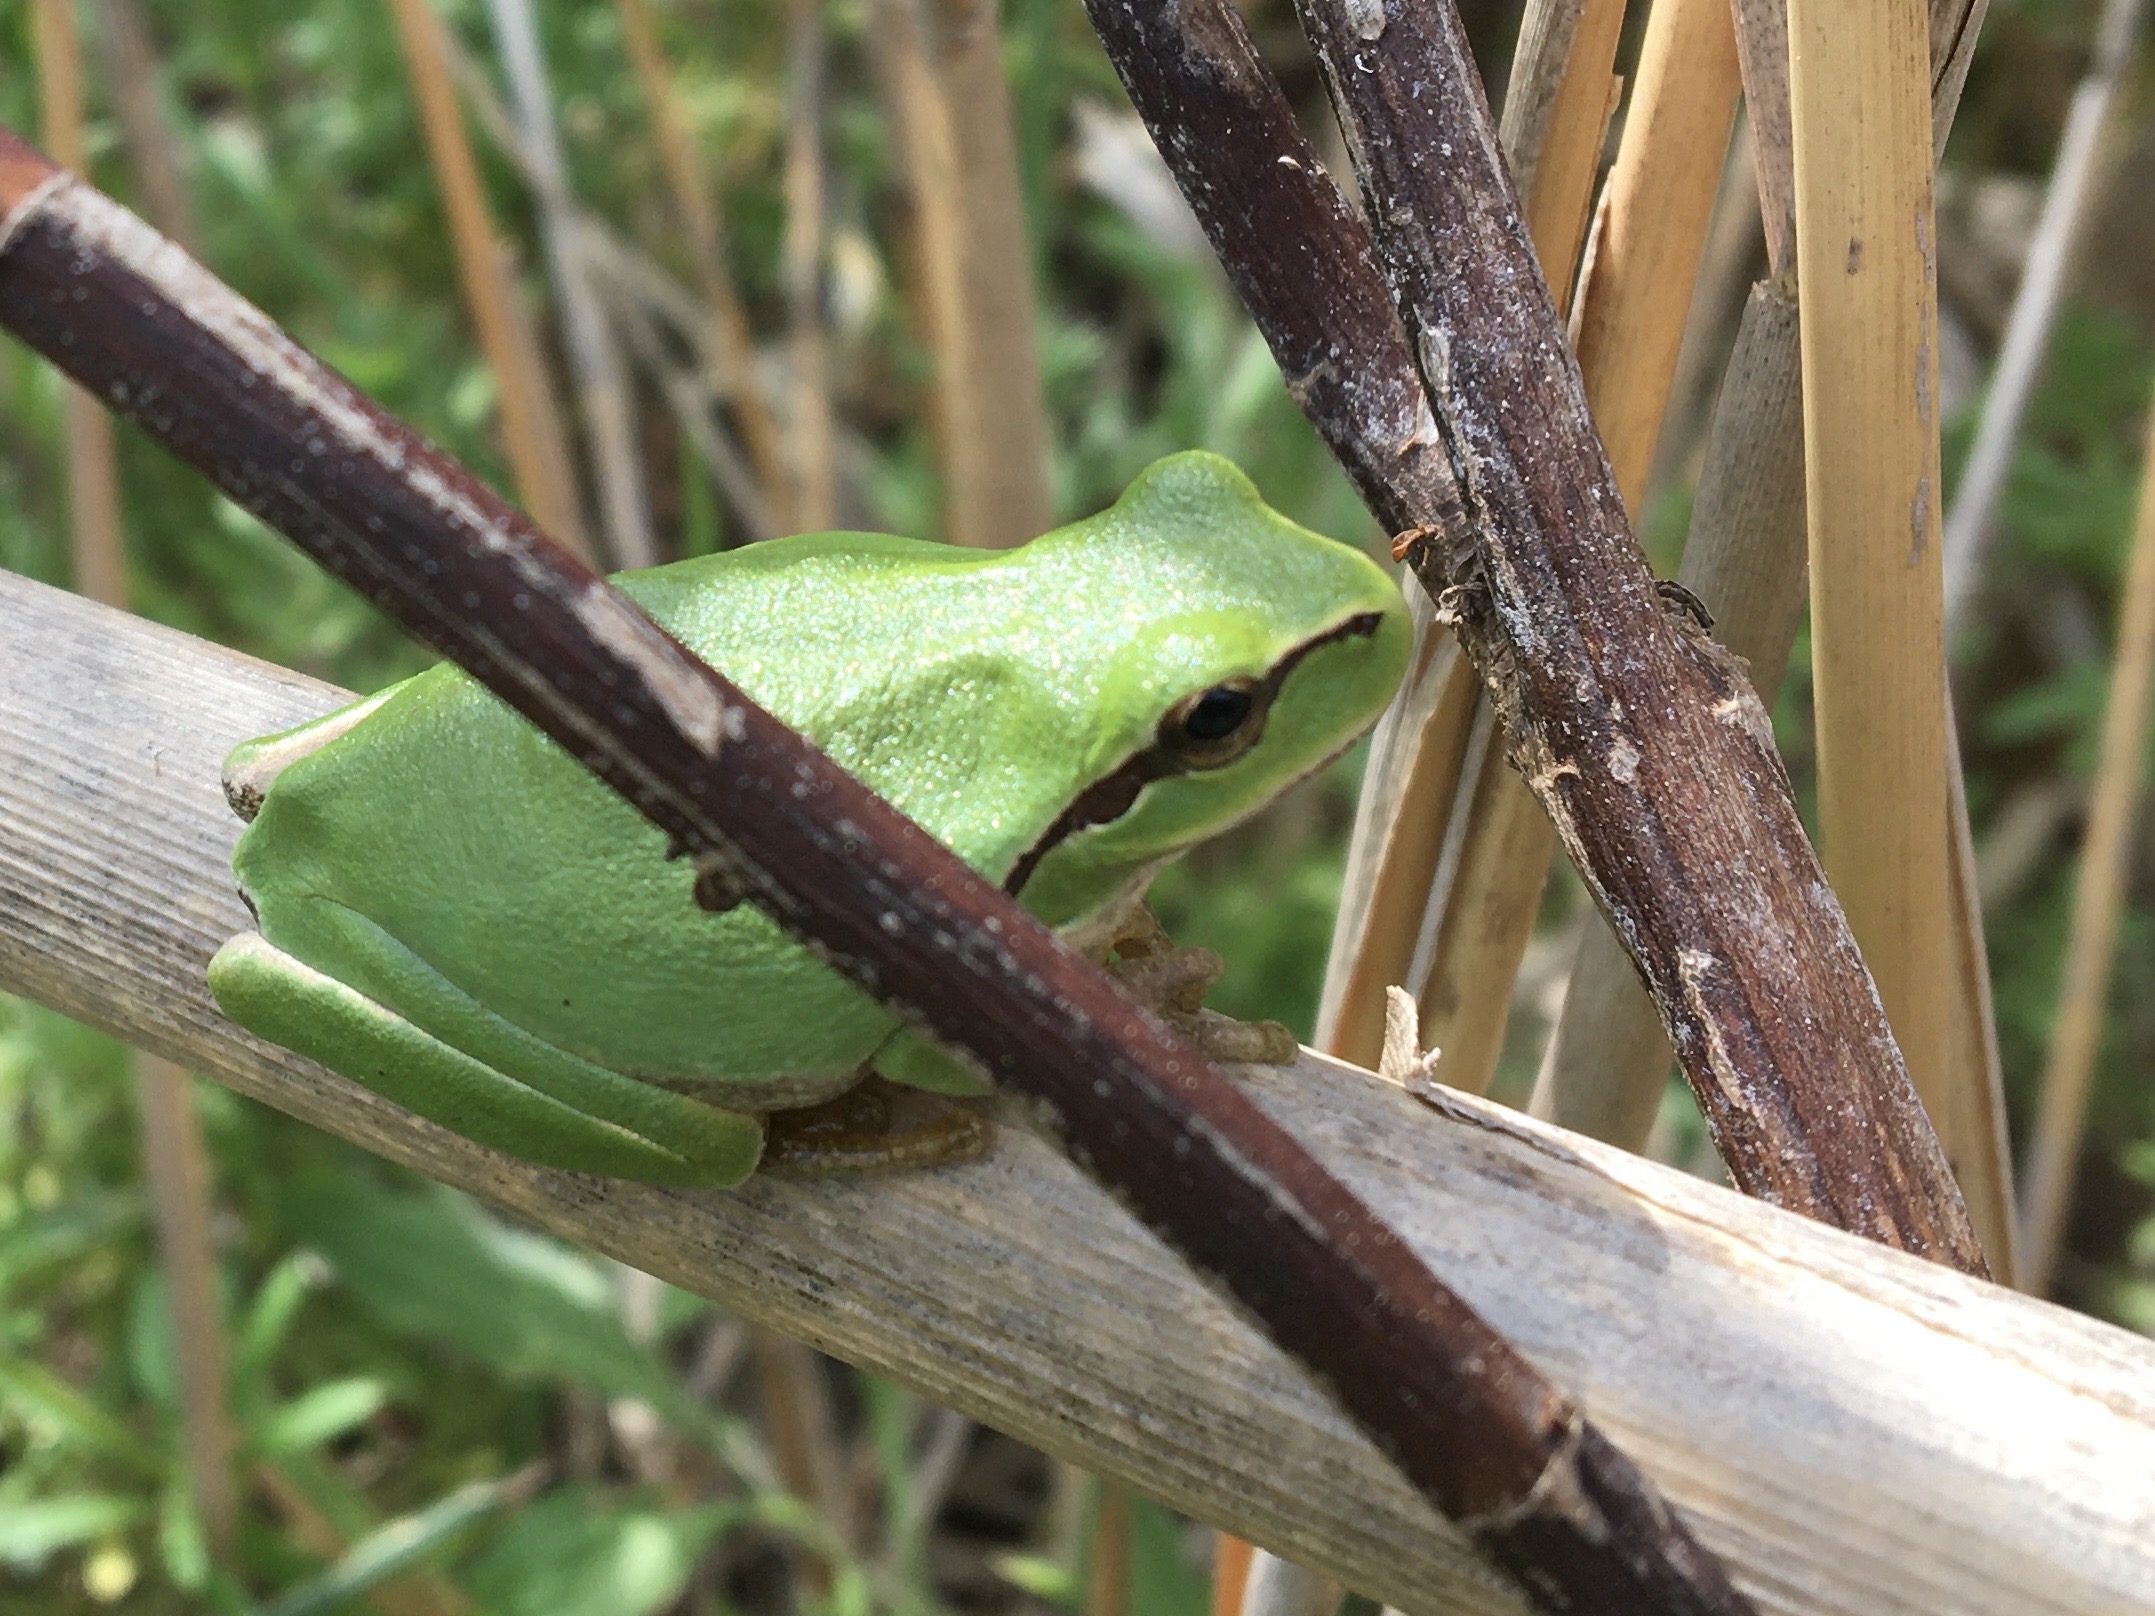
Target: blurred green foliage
438,1412
400,1359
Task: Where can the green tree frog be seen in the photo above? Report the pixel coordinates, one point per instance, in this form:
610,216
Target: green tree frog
454,913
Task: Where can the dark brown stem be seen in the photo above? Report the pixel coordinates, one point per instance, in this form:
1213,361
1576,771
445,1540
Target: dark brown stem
1641,737
1468,1419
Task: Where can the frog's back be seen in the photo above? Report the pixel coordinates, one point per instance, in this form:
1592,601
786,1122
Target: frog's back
422,819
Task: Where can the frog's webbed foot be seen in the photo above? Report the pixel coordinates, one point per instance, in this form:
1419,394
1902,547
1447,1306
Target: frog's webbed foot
876,1126
1172,983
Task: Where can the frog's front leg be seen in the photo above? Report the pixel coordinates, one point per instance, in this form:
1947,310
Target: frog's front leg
1172,982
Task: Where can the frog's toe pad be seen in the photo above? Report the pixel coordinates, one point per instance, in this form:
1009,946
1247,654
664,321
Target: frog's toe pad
874,1127
1237,1043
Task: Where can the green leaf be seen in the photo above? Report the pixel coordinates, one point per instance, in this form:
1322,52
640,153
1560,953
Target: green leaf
436,1267
269,1319
32,1532
149,1340
180,1543
321,1414
1036,1574
575,1554
391,1551
40,1396
37,1243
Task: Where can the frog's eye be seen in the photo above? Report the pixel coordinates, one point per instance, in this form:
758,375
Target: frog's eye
1211,728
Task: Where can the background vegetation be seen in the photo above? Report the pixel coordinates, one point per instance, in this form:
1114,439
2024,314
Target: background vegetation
441,1413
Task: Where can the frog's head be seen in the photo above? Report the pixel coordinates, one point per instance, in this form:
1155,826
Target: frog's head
1229,653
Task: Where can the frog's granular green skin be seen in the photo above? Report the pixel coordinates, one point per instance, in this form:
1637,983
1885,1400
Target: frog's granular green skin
455,913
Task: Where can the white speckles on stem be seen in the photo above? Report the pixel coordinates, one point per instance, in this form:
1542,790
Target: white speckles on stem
1624,760
1367,18
1693,967
687,697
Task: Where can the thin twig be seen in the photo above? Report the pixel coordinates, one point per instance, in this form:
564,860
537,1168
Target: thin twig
1972,519
639,291
735,378
1634,291
798,1420
602,382
978,507
1107,1586
1557,107
544,479
765,817
2098,901
688,395
155,153
810,433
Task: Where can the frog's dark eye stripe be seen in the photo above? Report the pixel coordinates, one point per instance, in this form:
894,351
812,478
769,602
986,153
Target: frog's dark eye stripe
1207,729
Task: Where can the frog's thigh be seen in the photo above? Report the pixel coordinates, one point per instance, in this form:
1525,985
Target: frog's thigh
663,1139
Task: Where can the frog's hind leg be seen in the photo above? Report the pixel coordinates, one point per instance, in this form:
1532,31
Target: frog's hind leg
876,1126
470,1071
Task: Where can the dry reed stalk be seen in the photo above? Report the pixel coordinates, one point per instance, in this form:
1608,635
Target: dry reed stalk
1400,851
1860,113
1557,107
1281,1588
603,386
994,484
1233,1560
1655,216
174,1158
1627,329
1012,502
703,232
154,152
181,1180
804,1447
934,257
1607,1063
1556,114
1107,1587
1481,914
1974,1126
2098,901
1734,255
687,391
1874,1434
641,295
810,431
544,480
